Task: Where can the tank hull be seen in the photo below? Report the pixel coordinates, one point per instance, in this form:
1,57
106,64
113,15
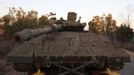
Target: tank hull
67,48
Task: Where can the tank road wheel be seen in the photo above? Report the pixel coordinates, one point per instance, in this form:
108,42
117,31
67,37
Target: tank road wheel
48,64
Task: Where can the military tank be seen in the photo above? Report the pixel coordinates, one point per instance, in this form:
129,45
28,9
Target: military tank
64,48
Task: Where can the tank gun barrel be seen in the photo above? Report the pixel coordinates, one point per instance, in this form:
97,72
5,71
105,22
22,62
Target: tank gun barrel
30,33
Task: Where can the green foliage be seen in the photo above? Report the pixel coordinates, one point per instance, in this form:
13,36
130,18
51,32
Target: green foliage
8,30
6,19
19,25
132,39
124,33
102,24
43,20
92,27
19,20
23,23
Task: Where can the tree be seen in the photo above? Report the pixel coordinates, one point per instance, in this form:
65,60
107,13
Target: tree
130,10
24,20
32,14
124,33
127,16
110,24
103,24
43,20
92,27
7,27
6,19
17,20
20,13
96,25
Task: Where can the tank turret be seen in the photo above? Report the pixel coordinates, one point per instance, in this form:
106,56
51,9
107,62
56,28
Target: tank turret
64,25
71,24
71,16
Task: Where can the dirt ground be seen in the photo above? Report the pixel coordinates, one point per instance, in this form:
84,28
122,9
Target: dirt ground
129,67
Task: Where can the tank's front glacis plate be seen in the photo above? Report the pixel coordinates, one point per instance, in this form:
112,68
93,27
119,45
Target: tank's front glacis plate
66,44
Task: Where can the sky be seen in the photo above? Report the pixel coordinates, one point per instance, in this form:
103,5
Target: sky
84,8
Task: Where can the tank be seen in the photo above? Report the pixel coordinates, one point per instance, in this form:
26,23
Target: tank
63,49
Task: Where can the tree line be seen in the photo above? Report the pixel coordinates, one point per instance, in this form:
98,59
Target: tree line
106,25
17,20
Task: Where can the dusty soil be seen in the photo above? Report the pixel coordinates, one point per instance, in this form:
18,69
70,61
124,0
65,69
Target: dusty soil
129,67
